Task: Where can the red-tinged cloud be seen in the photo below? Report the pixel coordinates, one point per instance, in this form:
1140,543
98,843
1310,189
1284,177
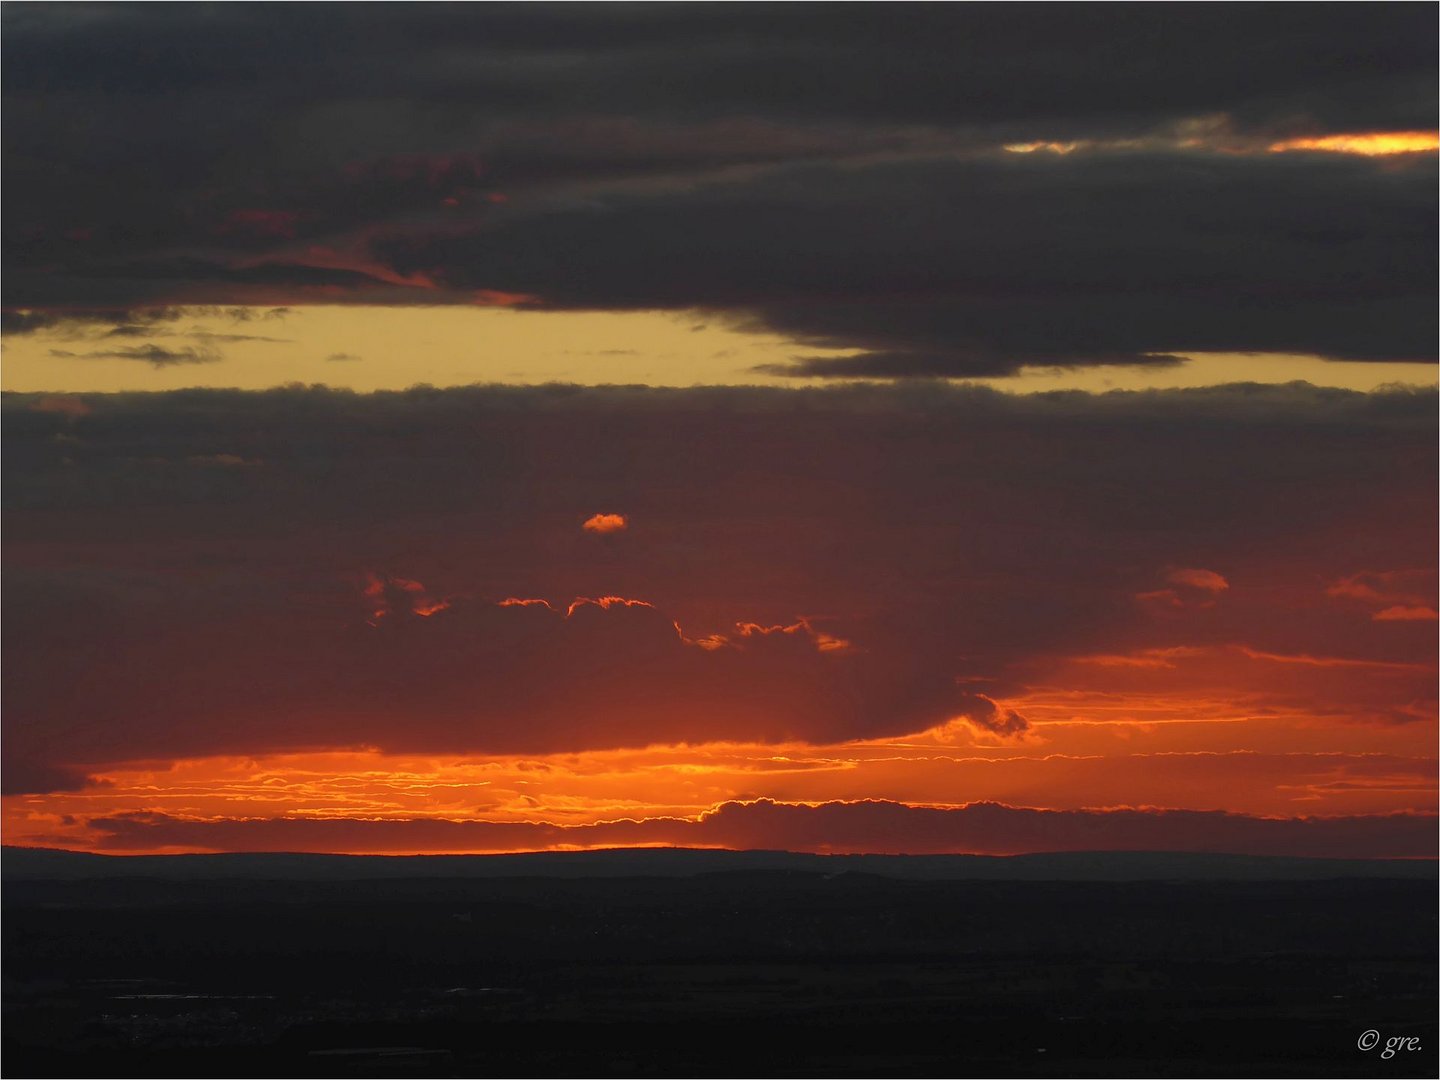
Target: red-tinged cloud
1160,599
1306,660
66,405
1149,658
500,298
604,524
1392,595
1206,580
833,827
268,223
392,595
817,566
1406,613
473,676
1195,589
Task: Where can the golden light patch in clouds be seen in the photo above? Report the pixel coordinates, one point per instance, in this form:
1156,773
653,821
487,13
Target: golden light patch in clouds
402,346
1370,144
1213,369
1215,135
460,345
1047,147
604,524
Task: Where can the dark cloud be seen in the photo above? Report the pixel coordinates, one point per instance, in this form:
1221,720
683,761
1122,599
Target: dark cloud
879,543
74,323
933,365
117,322
154,354
979,266
26,776
832,828
874,61
479,677
834,173
204,335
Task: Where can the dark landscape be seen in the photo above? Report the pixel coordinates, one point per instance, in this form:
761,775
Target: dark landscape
701,963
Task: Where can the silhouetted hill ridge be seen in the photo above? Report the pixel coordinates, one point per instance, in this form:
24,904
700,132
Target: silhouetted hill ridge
58,865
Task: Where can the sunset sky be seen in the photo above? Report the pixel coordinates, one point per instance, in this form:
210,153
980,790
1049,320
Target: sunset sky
951,428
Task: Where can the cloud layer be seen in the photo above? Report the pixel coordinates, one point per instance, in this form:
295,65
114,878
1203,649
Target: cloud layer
948,190
223,572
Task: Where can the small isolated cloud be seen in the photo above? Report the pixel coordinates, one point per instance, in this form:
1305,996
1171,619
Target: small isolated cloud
342,358
388,594
1198,579
1406,613
603,524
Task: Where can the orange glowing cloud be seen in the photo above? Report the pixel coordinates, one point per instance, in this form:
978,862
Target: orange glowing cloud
1370,144
1402,613
604,603
365,799
801,628
604,524
390,594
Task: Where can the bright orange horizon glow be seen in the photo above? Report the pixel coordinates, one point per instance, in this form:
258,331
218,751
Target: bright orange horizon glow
1087,749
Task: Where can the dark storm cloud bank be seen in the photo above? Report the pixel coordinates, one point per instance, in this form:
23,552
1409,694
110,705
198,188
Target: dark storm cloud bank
835,827
833,173
1341,64
218,571
485,677
979,267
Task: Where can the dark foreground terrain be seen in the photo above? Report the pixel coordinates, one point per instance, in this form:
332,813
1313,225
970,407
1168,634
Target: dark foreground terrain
710,964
